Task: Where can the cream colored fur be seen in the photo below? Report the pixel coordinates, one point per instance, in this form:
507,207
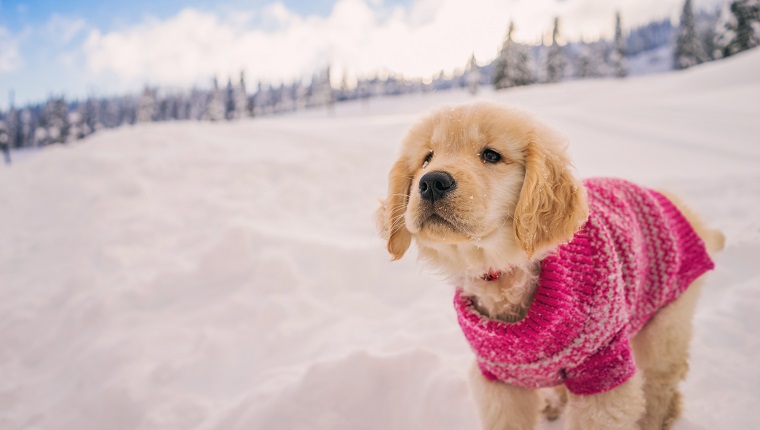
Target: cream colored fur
507,216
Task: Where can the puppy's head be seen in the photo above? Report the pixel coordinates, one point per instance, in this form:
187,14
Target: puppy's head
480,179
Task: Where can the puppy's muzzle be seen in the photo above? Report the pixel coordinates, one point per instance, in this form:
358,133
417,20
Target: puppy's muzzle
435,185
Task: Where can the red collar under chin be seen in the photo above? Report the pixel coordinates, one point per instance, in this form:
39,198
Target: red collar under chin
492,275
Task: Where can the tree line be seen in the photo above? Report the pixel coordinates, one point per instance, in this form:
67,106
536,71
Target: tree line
698,38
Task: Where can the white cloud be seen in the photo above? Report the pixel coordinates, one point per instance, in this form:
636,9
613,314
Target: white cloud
9,56
358,37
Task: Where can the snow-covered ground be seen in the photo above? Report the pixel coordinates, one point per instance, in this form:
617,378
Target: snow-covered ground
228,276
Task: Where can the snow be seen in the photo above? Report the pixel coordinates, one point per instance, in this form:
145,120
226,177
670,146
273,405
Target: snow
196,275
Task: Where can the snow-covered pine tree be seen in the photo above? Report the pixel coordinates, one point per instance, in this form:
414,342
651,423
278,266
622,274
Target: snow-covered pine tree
344,92
91,115
163,111
300,95
705,22
587,62
198,103
41,137
275,97
472,75
738,28
117,112
27,128
262,100
41,134
146,107
229,101
327,95
287,99
215,107
6,136
512,66
78,126
688,51
175,103
617,56
241,98
183,106
56,120
5,141
14,127
555,61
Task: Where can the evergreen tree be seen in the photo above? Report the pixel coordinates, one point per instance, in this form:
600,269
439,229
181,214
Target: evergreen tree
183,107
113,114
175,103
14,128
587,62
55,121
705,23
198,104
215,109
229,101
617,56
163,113
91,115
326,93
512,66
688,50
262,100
241,98
344,92
278,96
5,141
555,61
301,95
472,75
78,128
41,137
738,28
27,128
146,108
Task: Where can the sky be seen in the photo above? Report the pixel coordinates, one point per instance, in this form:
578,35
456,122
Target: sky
81,48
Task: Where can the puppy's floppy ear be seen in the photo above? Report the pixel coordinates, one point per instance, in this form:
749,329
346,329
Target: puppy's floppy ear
390,215
552,204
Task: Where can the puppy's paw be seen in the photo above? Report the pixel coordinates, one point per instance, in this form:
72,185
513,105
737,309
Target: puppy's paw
555,400
674,411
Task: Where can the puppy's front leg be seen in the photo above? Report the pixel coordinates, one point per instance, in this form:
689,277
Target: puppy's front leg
503,406
617,409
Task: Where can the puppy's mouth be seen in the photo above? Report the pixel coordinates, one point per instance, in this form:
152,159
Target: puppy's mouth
437,221
439,226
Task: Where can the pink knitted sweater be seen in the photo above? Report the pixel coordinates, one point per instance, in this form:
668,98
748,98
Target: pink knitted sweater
635,254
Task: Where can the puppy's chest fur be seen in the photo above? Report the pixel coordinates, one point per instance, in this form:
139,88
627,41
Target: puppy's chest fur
507,298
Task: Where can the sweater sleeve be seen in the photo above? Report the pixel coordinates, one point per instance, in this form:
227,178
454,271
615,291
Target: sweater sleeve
604,370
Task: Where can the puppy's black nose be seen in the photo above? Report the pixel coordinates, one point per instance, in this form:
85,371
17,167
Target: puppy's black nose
435,185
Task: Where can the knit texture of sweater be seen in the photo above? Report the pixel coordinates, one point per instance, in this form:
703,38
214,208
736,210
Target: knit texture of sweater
635,254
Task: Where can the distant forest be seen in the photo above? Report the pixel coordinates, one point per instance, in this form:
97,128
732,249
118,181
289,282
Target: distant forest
657,46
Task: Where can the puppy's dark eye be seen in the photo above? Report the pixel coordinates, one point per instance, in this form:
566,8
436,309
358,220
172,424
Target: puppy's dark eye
490,156
427,159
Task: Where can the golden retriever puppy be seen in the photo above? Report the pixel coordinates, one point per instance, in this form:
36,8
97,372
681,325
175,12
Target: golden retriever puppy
585,286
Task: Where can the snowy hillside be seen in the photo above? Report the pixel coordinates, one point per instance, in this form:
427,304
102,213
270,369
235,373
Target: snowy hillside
228,276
